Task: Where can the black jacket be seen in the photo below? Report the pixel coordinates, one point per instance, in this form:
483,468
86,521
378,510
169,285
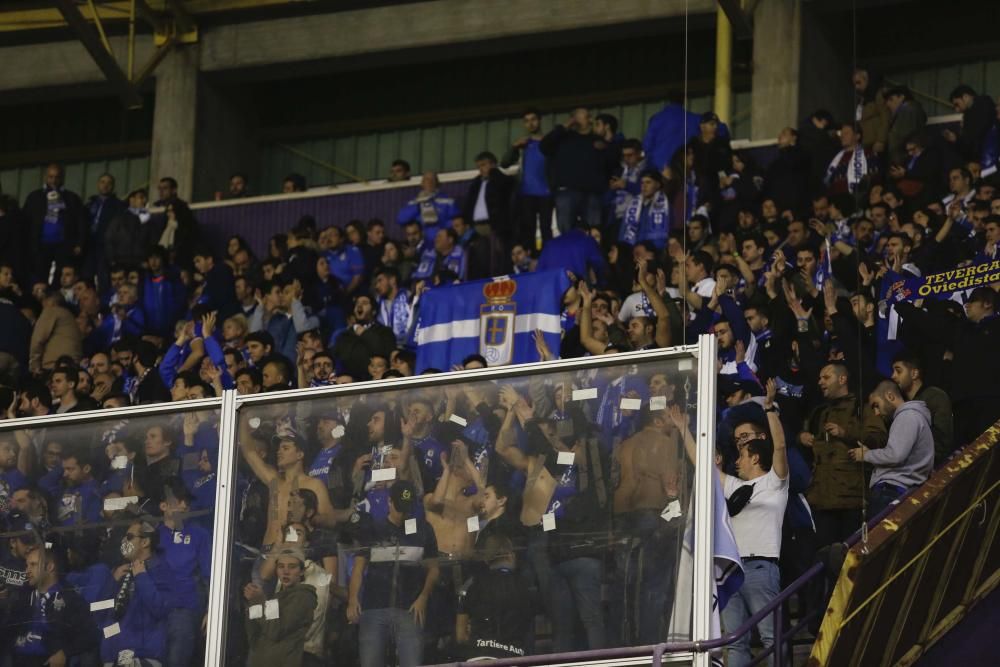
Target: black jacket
787,179
583,162
499,189
72,218
977,121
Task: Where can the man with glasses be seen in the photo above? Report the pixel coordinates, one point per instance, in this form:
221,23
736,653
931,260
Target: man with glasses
756,501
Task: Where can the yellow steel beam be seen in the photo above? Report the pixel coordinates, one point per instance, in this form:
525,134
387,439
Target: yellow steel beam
100,27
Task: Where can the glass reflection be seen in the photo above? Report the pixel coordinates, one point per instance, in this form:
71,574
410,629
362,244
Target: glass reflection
474,518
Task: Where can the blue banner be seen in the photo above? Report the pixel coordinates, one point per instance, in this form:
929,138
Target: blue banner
495,318
942,284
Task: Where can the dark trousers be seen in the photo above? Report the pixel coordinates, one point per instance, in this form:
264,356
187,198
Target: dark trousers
496,249
836,525
575,208
881,496
533,211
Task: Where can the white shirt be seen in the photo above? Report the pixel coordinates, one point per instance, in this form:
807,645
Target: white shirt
705,287
758,527
632,307
481,213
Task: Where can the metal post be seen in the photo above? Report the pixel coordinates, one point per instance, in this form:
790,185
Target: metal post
704,481
779,635
131,41
218,591
723,104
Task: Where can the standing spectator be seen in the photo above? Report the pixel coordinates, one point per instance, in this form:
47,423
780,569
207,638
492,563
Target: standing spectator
278,636
669,128
166,188
58,223
870,112
163,297
908,118
364,337
580,165
102,208
534,197
495,616
394,307
850,170
181,234
787,177
238,186
817,136
15,340
144,581
979,116
388,596
907,459
712,157
972,340
55,335
399,171
487,207
55,627
217,291
129,233
432,209
831,428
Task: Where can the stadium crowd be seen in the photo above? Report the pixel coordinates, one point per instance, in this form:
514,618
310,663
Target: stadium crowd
467,520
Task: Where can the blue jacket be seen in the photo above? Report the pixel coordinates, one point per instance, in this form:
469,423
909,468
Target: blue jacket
433,213
574,251
282,329
163,303
345,262
76,504
143,627
189,554
57,620
666,133
94,584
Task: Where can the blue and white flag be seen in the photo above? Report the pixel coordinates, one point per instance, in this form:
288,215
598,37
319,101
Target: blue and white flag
495,318
728,570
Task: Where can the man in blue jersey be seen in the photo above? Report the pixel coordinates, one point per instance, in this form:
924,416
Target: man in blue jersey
445,256
534,197
345,260
78,494
432,209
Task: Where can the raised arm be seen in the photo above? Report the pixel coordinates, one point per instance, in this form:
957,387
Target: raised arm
779,462
261,469
506,446
662,334
587,339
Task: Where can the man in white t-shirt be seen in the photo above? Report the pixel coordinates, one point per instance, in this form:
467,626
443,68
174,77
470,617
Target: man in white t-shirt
763,465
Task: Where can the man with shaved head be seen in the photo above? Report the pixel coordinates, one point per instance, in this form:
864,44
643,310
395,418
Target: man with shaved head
834,427
908,458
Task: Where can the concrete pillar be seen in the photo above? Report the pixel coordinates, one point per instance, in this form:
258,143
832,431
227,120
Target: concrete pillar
777,49
175,119
723,101
801,63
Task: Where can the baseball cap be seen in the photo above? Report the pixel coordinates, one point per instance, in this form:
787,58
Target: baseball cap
708,117
403,495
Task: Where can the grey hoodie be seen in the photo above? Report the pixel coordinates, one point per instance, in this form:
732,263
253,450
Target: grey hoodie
908,458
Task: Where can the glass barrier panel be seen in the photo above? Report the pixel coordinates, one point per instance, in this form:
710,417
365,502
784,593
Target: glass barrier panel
440,519
107,538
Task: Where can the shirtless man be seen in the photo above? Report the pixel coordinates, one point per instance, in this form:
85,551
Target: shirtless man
449,507
648,484
288,477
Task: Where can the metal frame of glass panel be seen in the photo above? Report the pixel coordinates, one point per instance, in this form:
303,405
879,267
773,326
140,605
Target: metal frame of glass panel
229,405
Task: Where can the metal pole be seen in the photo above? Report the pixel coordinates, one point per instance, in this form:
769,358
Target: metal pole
222,535
131,41
779,635
705,478
723,104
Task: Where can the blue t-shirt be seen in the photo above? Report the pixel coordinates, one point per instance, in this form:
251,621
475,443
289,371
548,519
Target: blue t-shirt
534,179
345,262
320,468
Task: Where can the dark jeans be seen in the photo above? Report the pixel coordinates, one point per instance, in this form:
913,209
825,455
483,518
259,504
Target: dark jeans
576,594
577,209
493,249
533,211
881,496
183,626
378,629
643,584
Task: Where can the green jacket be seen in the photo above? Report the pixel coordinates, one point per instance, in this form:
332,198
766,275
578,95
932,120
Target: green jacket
280,641
838,482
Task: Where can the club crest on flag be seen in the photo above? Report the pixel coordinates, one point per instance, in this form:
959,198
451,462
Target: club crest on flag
496,322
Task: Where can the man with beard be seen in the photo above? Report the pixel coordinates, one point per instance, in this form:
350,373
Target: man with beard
364,337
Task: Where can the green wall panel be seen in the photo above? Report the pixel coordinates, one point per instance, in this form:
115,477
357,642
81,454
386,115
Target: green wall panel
81,177
938,82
